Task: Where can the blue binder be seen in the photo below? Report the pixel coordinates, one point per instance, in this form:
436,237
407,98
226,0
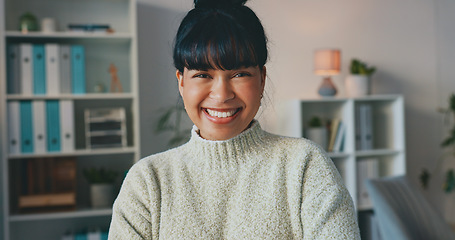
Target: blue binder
78,69
53,125
26,122
13,66
39,69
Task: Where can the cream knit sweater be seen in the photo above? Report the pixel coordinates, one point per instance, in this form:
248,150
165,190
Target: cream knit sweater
253,186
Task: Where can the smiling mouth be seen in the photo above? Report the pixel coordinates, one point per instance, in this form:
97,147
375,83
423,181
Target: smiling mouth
222,114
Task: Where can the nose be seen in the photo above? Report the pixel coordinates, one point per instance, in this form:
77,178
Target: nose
222,90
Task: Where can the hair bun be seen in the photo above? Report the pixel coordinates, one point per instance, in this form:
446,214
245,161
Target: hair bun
218,3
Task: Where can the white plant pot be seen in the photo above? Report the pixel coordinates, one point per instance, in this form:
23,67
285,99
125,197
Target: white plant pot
357,85
317,135
102,195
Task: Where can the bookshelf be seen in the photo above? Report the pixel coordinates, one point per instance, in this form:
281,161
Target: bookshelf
387,127
101,49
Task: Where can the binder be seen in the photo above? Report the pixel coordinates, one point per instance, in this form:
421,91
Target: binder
39,126
78,69
368,127
52,68
14,131
26,122
339,139
67,125
26,68
65,69
53,125
365,123
39,71
13,66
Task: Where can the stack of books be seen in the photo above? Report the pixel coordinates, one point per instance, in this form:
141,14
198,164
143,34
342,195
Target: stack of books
337,135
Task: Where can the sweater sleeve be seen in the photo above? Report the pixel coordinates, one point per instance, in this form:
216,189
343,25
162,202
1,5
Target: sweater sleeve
327,210
132,217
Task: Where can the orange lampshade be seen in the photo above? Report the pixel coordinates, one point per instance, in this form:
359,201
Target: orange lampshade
327,62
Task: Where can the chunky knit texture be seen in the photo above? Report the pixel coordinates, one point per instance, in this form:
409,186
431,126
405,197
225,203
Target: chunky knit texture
254,186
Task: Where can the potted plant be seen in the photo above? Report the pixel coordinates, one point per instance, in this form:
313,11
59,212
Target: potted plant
448,145
358,82
317,132
171,121
101,186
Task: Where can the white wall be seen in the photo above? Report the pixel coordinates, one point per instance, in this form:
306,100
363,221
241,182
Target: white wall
410,43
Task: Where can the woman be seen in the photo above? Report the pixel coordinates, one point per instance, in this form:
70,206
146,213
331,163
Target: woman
232,180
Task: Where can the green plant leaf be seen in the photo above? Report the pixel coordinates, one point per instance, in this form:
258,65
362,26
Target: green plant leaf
163,121
449,184
424,178
359,67
99,175
315,121
452,103
449,140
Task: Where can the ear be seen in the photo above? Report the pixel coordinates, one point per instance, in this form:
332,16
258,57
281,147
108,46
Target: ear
179,76
263,77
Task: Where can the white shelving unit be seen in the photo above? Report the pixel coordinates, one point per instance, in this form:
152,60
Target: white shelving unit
387,125
101,49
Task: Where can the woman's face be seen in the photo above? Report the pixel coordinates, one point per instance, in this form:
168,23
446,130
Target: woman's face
222,103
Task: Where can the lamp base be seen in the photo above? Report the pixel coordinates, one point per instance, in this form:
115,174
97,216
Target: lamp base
327,88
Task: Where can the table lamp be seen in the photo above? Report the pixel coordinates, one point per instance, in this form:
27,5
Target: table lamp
327,63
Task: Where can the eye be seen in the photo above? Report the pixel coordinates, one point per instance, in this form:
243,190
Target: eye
242,74
201,75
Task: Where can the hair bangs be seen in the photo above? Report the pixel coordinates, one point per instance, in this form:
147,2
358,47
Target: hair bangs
217,46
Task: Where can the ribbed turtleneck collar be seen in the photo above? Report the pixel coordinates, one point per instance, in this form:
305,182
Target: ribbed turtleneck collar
234,150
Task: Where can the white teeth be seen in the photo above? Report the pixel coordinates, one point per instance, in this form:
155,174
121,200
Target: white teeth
220,114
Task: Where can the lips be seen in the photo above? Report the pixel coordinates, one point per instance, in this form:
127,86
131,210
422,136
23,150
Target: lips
221,113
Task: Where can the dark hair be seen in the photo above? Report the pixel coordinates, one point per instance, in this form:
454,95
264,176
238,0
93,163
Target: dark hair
220,34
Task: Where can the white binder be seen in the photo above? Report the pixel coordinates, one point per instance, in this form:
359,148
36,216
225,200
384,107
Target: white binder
67,125
39,126
14,128
26,67
65,69
52,68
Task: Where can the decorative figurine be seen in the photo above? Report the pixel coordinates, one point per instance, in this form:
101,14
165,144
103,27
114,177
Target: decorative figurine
116,85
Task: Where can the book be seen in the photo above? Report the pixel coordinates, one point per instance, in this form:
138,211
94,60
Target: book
78,69
14,131
26,122
339,139
53,125
65,69
39,69
52,68
13,66
26,68
333,132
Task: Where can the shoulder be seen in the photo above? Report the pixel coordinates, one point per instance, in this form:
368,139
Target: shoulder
161,159
301,146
